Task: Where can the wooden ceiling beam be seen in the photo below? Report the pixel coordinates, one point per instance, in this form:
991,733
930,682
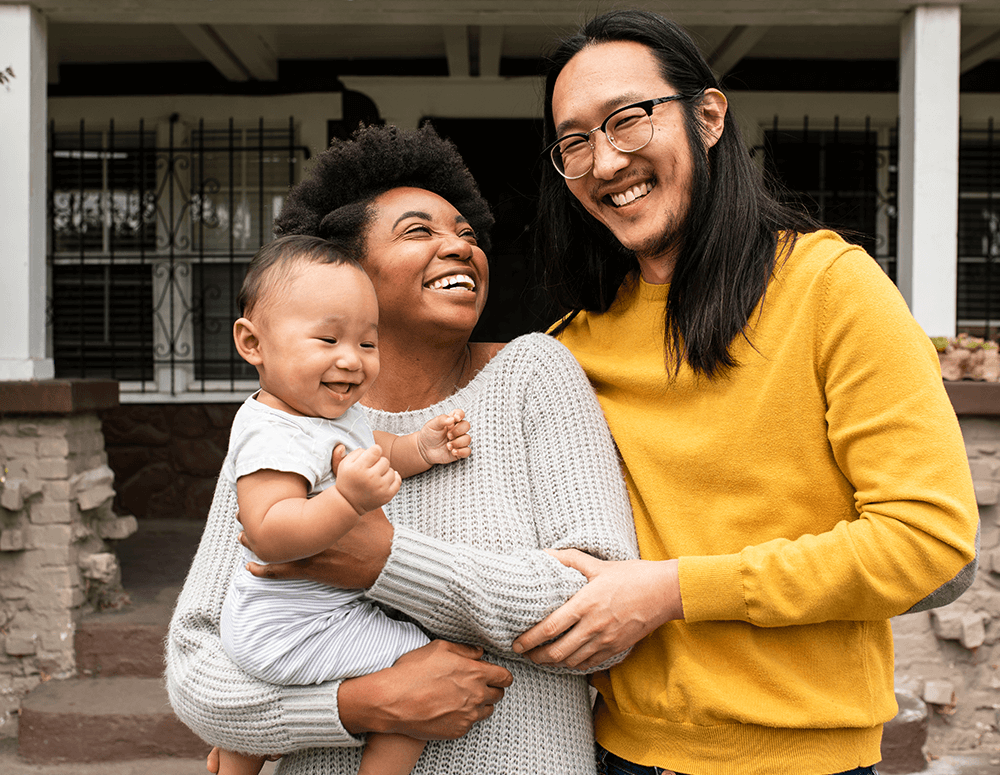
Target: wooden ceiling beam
490,50
987,47
456,45
736,45
249,46
211,46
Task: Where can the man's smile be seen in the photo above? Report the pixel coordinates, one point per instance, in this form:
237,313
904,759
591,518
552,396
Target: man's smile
629,195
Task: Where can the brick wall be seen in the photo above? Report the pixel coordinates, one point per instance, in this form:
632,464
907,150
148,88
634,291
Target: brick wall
55,519
950,657
167,457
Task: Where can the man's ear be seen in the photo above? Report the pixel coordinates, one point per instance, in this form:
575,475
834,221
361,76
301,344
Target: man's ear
247,343
712,111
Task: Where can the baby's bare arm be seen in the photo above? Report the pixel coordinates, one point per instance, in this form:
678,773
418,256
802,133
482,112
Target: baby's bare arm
444,439
281,524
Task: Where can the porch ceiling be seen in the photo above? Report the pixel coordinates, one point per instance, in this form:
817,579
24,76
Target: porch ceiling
244,39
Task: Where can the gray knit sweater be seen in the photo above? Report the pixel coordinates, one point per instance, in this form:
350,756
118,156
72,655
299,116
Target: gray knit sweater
465,563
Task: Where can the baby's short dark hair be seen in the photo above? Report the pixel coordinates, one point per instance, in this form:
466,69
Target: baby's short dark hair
275,264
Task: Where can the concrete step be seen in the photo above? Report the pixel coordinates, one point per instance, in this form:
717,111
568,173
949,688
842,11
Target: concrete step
126,642
129,641
102,720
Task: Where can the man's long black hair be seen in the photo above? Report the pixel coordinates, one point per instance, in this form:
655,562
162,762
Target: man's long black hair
734,232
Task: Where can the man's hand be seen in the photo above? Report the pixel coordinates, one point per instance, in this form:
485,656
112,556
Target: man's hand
445,439
354,562
436,692
366,479
621,604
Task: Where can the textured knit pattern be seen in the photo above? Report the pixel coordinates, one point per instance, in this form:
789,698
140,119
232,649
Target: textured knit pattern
811,494
465,563
292,631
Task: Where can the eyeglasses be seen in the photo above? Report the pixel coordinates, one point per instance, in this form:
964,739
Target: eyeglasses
628,129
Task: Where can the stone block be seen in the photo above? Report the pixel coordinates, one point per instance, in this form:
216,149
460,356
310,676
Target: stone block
983,469
118,528
52,556
18,446
58,664
987,493
947,623
58,426
18,467
973,630
939,693
30,487
40,536
49,468
101,567
100,476
12,540
51,600
94,497
81,532
92,461
45,513
57,490
53,446
20,644
28,429
10,496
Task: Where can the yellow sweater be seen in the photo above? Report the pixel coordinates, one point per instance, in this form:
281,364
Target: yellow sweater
814,492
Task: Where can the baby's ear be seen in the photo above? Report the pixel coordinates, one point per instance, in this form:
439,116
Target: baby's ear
247,343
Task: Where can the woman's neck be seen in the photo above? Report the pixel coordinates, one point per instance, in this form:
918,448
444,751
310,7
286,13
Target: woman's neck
415,376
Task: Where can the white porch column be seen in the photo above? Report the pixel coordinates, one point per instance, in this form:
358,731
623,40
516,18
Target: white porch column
927,267
23,133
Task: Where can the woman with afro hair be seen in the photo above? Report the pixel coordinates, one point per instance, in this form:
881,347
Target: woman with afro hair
460,549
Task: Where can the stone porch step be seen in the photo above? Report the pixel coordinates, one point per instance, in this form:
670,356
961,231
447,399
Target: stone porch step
101,720
128,642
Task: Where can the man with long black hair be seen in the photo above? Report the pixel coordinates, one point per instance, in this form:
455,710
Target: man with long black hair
797,473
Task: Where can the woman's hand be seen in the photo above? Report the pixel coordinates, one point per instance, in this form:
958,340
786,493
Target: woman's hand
354,562
435,692
621,604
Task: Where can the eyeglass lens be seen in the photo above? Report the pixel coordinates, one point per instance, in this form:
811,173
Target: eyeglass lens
627,131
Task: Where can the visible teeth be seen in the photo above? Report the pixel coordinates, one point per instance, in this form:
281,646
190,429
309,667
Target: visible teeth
631,194
454,281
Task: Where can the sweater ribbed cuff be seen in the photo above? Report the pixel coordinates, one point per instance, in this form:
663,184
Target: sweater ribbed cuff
416,575
712,588
313,717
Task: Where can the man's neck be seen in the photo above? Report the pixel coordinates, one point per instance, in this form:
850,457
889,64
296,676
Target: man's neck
659,270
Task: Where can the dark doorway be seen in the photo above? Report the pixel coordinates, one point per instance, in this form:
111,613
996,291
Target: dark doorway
503,156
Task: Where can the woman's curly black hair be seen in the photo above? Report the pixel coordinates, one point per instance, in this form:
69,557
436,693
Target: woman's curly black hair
335,200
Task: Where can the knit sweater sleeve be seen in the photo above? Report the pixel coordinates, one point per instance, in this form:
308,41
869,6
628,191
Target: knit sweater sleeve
218,701
578,499
893,434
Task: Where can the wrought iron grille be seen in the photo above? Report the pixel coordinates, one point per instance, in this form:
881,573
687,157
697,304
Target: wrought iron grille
151,230
979,232
847,178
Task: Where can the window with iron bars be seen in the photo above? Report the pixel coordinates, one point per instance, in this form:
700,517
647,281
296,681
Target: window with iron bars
151,231
847,179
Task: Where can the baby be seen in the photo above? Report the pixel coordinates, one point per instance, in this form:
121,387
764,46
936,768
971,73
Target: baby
310,326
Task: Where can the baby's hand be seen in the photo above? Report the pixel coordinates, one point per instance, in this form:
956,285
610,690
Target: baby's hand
366,479
445,439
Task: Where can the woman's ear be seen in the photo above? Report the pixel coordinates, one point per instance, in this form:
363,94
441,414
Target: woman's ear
712,111
247,343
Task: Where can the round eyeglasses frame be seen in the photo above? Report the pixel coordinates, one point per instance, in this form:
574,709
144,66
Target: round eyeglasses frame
645,105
